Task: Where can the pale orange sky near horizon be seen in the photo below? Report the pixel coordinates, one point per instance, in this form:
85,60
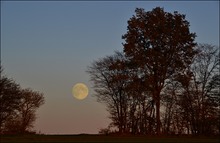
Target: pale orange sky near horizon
48,46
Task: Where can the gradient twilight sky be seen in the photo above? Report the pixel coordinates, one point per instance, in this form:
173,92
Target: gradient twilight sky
47,46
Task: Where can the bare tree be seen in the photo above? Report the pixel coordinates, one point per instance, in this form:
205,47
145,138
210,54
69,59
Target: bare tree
109,78
205,68
122,91
199,95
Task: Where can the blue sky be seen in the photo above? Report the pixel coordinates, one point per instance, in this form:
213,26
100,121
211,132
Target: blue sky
48,45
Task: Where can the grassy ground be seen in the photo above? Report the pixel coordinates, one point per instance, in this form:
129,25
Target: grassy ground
106,139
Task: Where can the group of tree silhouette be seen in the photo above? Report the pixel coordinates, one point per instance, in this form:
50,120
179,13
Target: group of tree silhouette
163,82
17,107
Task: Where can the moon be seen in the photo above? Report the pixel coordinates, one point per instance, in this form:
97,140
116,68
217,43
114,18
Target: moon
80,91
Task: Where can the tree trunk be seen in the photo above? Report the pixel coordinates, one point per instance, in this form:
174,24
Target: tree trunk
158,115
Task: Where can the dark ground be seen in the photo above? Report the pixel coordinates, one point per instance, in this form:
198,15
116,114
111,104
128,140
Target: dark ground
107,139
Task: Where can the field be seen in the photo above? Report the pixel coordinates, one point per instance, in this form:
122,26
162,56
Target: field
106,139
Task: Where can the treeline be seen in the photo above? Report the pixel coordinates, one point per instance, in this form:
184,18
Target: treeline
163,82
17,107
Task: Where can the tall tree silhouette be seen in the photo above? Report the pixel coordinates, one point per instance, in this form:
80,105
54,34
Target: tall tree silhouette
161,46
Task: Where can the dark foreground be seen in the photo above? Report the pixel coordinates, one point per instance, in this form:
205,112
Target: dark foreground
106,139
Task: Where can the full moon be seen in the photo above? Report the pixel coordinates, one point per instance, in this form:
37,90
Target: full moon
80,91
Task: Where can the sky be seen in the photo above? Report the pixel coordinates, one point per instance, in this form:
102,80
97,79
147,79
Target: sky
48,46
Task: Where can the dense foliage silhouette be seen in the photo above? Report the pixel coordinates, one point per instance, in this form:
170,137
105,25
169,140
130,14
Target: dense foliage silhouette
162,82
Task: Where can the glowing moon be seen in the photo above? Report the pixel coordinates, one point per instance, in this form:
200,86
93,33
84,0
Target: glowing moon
80,91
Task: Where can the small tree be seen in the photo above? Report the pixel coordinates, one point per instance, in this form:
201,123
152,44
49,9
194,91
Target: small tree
10,98
214,101
17,107
31,101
